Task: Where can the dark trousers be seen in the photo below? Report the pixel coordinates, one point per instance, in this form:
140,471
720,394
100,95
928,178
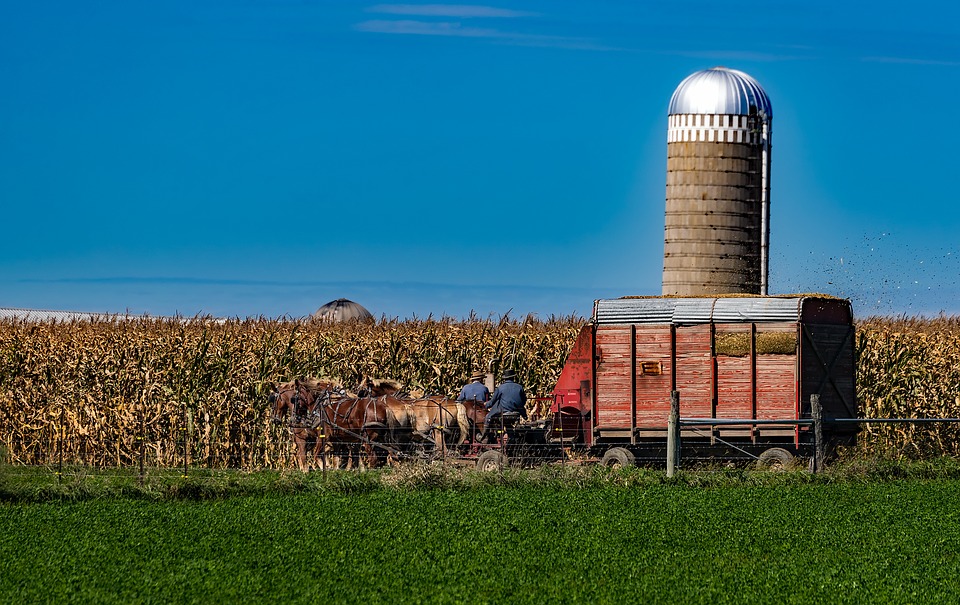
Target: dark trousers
491,427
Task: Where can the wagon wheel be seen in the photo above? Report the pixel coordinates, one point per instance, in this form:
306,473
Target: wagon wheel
618,457
492,460
775,459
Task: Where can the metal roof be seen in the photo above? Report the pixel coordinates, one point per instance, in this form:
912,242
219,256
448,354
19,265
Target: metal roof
719,90
342,309
40,315
64,316
700,310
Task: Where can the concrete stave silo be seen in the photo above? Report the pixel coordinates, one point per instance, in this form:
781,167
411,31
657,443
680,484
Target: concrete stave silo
716,228
342,309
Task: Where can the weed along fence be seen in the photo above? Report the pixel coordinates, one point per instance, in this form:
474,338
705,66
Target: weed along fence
146,455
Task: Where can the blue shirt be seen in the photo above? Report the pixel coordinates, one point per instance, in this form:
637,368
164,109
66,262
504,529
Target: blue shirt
508,397
474,391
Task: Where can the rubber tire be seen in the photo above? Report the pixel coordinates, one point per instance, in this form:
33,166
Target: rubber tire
618,457
776,459
492,461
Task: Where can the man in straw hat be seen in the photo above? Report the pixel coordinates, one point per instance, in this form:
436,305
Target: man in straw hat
475,390
508,397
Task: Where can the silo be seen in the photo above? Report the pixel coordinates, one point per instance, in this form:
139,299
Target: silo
717,227
343,309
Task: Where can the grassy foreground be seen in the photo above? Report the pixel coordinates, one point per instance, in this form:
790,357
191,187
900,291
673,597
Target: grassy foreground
630,536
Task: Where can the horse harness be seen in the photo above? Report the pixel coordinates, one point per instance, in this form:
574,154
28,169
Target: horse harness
322,418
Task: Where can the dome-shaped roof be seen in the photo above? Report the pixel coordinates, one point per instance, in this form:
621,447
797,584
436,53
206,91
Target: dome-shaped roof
719,90
342,310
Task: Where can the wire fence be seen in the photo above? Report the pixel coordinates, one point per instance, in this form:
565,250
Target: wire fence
146,460
187,446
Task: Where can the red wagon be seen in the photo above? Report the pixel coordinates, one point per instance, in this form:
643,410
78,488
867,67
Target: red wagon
756,359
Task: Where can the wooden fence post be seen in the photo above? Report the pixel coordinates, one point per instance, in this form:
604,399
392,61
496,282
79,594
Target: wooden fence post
60,438
143,436
558,426
441,420
186,434
323,451
673,434
818,446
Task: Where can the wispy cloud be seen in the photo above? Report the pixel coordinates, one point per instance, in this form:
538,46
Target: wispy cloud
736,55
448,20
910,61
457,29
428,28
448,10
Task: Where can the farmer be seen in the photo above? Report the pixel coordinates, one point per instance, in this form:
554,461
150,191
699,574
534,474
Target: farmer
508,397
475,390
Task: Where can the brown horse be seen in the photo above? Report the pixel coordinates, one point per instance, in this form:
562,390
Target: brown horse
359,424
472,415
378,387
432,421
319,416
295,404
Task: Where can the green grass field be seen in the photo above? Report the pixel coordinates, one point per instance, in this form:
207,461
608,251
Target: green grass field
745,539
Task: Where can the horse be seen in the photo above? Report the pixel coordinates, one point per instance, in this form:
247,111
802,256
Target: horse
378,387
472,415
294,403
321,412
431,421
371,424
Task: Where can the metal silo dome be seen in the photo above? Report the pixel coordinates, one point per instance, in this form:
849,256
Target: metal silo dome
719,90
717,220
342,310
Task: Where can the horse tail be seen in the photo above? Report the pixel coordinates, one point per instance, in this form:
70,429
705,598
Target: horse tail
394,425
463,421
398,422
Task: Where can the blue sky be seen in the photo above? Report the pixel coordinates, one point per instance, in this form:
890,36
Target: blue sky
262,158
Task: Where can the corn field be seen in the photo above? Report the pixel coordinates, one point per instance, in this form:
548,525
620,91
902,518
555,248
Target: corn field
909,368
115,392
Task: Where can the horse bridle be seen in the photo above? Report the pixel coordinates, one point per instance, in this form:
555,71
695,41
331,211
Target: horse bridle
301,415
295,400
